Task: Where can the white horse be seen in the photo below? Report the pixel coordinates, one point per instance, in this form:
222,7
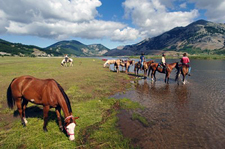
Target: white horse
109,62
64,63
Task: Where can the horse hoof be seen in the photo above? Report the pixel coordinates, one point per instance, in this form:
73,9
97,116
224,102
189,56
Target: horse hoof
45,129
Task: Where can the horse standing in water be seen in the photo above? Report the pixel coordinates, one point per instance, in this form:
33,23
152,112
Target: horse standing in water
64,62
182,69
119,63
46,92
145,67
156,67
128,63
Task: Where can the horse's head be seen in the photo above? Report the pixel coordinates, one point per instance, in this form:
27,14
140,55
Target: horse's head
70,125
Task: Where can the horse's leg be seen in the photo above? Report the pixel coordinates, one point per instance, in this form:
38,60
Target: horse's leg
57,110
184,78
145,73
45,112
154,76
20,110
167,77
24,105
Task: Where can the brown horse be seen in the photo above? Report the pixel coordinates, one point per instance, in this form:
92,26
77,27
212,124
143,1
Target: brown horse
46,92
128,63
119,63
145,67
156,67
182,69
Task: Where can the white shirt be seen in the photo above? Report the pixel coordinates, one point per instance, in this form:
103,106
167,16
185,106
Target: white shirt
163,60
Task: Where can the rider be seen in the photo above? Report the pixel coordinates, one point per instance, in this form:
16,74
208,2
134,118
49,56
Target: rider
164,62
185,61
66,57
142,59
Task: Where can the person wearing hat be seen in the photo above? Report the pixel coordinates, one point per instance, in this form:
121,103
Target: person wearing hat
164,62
142,59
185,61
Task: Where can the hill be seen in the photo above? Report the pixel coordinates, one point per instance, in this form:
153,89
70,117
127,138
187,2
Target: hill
72,47
8,48
198,37
77,48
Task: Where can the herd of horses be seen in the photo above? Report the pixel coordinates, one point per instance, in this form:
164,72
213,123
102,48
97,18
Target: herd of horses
150,66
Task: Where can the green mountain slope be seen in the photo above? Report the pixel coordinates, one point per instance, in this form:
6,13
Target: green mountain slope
72,47
77,48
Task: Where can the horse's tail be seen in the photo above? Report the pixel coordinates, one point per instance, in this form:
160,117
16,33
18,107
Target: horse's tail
65,97
10,99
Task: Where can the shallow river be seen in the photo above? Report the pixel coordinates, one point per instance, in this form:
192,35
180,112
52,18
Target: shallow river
184,116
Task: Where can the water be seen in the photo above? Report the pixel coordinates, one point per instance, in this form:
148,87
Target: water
179,116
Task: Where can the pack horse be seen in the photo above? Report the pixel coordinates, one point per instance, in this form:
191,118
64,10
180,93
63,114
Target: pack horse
46,92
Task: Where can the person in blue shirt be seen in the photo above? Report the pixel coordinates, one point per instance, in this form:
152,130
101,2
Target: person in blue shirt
142,59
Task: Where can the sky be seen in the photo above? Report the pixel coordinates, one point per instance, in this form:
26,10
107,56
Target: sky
109,22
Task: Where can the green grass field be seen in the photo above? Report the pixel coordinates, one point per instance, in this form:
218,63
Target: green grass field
88,86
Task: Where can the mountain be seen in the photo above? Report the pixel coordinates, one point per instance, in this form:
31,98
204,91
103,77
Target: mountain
72,47
198,37
77,48
8,48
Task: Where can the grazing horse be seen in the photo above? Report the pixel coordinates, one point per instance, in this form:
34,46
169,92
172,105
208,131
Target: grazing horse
109,62
46,92
128,63
156,67
64,62
181,69
145,67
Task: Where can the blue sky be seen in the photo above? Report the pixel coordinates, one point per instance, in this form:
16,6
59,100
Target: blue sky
109,22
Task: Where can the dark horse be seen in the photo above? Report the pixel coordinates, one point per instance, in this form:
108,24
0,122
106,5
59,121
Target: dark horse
156,67
182,69
46,92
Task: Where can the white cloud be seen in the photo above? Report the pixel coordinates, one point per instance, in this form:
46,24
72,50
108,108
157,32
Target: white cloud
153,18
215,9
125,34
58,19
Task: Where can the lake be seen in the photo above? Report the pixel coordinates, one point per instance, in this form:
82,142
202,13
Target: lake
179,116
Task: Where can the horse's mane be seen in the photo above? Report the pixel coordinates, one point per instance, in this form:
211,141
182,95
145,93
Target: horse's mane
65,97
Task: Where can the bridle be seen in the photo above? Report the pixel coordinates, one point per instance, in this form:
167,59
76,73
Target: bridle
71,116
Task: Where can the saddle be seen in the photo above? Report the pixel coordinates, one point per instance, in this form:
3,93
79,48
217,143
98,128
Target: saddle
160,65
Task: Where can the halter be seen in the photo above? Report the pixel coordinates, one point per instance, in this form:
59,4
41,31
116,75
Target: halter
71,116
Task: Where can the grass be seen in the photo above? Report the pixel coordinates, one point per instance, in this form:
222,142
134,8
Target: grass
88,86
